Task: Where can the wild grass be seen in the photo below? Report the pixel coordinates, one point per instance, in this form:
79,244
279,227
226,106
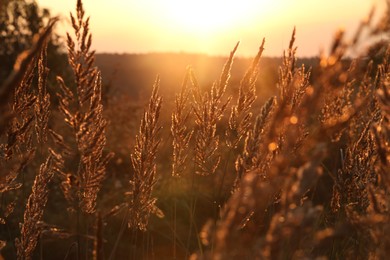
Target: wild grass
302,176
143,159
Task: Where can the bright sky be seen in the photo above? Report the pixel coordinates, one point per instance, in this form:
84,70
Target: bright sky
214,26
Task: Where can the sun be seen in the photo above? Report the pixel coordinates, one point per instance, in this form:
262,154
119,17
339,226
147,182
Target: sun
208,16
202,16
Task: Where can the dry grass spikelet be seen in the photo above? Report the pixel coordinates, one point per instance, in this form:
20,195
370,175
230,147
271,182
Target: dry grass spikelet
180,134
241,115
286,71
83,112
143,159
36,203
42,104
81,58
91,141
16,120
251,155
208,109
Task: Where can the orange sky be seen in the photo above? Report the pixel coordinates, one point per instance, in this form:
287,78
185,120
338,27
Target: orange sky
214,26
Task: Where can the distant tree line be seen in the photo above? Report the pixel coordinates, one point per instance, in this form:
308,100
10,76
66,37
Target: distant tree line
20,21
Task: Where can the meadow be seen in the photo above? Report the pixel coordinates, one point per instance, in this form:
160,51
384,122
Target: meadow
229,158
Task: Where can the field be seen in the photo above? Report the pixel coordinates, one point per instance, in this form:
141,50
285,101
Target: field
187,156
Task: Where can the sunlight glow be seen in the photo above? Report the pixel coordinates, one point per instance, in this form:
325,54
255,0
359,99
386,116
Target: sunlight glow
205,16
214,26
